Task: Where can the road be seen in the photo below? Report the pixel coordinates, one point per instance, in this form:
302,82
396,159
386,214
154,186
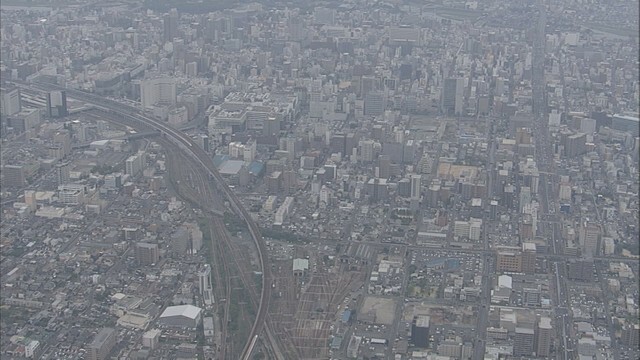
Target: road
188,146
480,341
548,180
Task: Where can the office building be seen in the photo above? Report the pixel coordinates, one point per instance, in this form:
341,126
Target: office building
375,103
451,99
10,102
409,152
531,297
113,181
158,91
544,334
420,331
30,200
102,344
450,348
384,166
63,138
170,25
63,172
416,187
574,144
523,342
71,194
57,104
147,253
151,338
509,261
475,229
13,176
631,335
528,258
626,123
366,150
590,239
324,16
461,229
135,164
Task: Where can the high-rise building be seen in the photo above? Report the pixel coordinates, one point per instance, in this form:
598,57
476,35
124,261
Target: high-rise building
158,91
324,16
384,166
544,334
102,344
509,261
134,164
57,104
170,25
30,200
416,187
375,103
461,228
475,229
450,348
420,331
366,150
10,102
63,172
528,258
451,99
574,144
626,123
631,335
147,253
404,187
409,152
13,176
590,239
523,342
151,338
63,138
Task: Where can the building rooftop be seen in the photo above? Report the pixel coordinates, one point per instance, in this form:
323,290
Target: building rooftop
189,311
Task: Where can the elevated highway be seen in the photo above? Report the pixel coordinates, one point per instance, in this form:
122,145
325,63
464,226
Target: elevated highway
188,146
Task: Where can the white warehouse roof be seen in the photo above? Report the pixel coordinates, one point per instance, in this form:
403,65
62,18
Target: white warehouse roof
189,311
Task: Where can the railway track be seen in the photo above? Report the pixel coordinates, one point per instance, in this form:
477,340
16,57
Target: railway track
199,193
132,116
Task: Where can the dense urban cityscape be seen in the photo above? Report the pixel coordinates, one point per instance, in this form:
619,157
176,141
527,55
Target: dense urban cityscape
441,180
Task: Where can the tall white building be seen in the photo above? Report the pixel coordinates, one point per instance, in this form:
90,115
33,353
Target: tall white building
135,163
475,229
366,150
374,103
9,101
158,91
461,228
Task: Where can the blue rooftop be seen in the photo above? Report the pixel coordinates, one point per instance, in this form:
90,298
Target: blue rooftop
346,315
219,159
256,168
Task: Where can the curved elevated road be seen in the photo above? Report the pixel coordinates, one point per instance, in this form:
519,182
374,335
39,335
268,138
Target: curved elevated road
187,145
